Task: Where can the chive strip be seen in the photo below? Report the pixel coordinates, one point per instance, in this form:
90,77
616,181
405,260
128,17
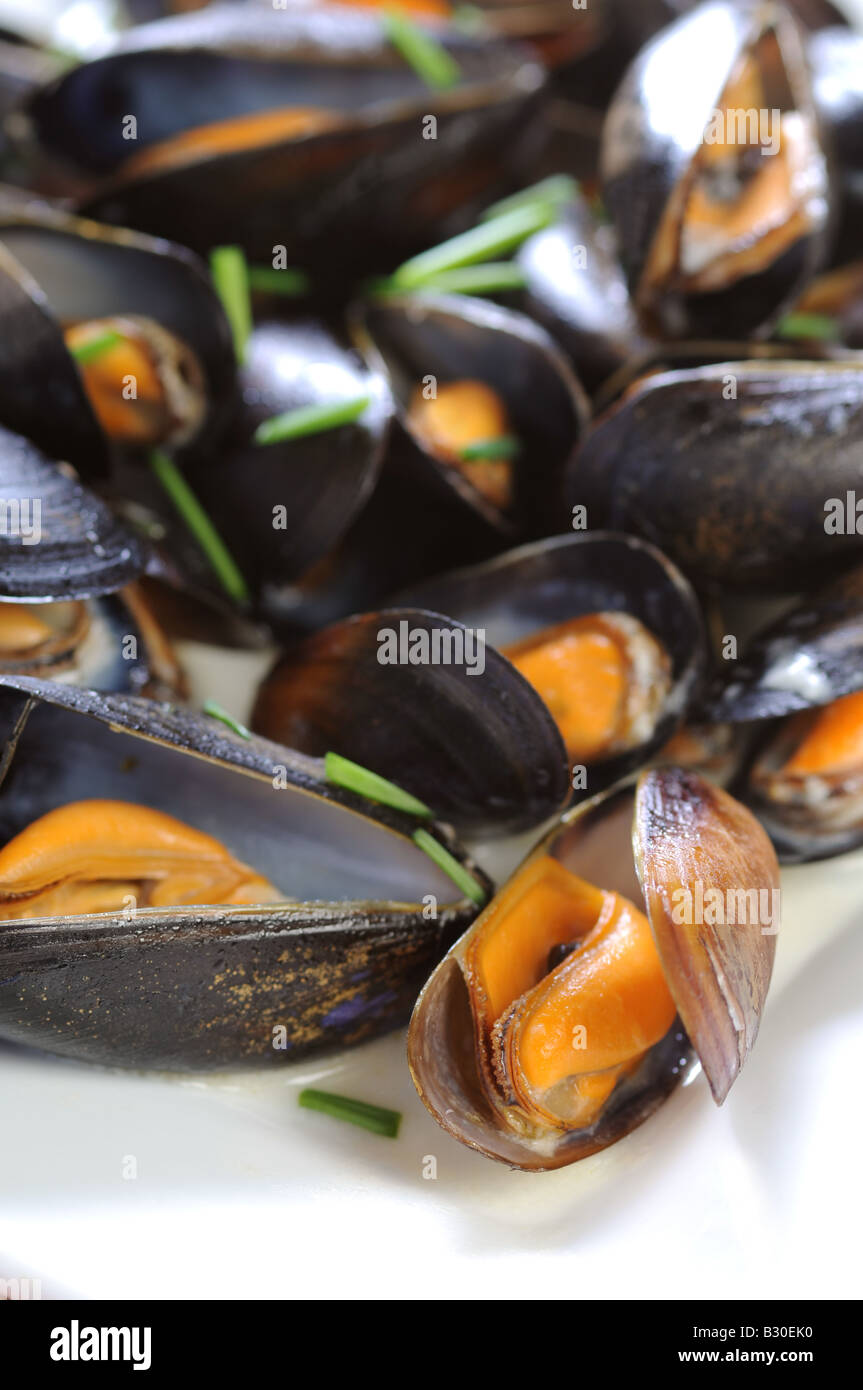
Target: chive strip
428,58
504,447
450,865
482,243
289,282
374,1118
557,189
231,280
809,326
221,561
94,348
494,277
215,711
343,773
310,419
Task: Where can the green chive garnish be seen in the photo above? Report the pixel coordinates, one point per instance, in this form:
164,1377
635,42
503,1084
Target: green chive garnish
493,238
92,349
495,277
505,447
289,282
231,280
557,189
343,773
215,711
809,326
221,561
309,419
428,58
354,1112
450,865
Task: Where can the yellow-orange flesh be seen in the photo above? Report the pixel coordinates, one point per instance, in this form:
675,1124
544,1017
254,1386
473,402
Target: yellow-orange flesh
146,388
22,629
726,221
834,741
555,1039
105,856
259,128
583,669
460,414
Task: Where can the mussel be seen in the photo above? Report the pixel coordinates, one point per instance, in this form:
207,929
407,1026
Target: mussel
606,630
156,836
579,999
305,126
714,173
423,701
739,471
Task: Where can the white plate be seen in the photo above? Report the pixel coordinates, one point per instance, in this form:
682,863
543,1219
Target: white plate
241,1194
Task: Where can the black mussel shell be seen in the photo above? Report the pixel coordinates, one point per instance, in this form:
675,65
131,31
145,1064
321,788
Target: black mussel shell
56,269
57,541
340,961
453,723
733,470
549,582
654,128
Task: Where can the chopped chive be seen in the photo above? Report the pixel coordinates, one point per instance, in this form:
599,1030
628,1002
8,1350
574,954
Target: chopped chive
289,282
504,447
221,561
809,326
231,280
309,419
343,773
557,189
94,348
374,1118
450,865
482,243
428,58
494,277
215,711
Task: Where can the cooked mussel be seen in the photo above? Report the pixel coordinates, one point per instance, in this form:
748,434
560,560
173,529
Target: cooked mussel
199,967
110,338
737,471
717,185
604,628
422,700
806,779
255,127
578,1000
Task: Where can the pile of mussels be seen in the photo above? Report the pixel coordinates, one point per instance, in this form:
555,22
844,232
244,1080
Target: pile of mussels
500,367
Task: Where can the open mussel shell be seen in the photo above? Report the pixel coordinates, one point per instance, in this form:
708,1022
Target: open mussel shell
422,338
811,655
732,470
576,289
539,586
57,270
307,125
673,832
421,700
660,148
339,961
58,540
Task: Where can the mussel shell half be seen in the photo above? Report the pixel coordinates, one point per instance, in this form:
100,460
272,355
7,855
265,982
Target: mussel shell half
836,58
595,840
732,487
549,582
57,269
479,746
812,655
58,541
191,987
357,192
453,337
653,129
